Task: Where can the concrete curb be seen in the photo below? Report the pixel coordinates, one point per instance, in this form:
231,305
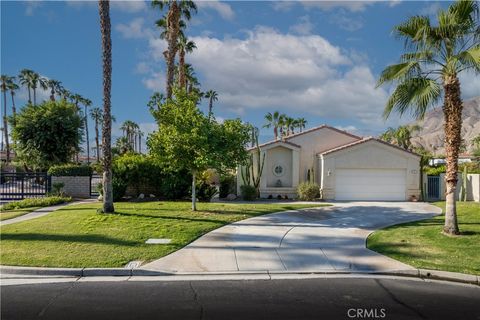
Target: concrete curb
109,272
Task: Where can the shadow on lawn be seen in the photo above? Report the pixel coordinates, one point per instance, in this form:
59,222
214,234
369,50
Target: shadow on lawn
141,215
66,238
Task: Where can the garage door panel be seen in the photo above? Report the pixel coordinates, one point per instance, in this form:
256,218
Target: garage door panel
370,184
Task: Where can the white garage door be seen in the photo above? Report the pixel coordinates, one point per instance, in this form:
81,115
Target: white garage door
370,184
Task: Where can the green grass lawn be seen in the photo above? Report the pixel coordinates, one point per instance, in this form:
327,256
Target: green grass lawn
78,236
13,213
421,244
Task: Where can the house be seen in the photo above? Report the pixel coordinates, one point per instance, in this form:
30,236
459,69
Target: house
346,166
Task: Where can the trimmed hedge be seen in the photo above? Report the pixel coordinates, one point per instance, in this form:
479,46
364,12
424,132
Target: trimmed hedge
248,192
308,191
70,170
36,202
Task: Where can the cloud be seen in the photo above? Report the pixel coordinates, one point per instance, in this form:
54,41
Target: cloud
282,5
345,21
223,9
431,9
354,6
303,27
130,6
155,81
470,85
134,29
31,6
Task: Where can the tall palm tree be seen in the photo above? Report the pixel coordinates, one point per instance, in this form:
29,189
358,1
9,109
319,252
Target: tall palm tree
37,81
156,101
211,95
273,121
12,87
55,88
25,78
192,84
76,99
140,134
436,55
301,124
289,124
184,46
176,10
4,83
105,27
97,115
86,103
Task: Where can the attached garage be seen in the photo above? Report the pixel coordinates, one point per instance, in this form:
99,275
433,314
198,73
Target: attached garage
369,170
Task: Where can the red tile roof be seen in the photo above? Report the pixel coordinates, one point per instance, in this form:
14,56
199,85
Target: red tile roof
348,145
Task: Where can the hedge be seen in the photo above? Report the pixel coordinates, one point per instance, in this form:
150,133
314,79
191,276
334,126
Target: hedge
70,170
36,202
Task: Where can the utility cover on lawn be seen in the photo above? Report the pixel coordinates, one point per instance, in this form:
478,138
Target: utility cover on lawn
158,241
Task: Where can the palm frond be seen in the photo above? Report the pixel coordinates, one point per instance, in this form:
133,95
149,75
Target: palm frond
399,71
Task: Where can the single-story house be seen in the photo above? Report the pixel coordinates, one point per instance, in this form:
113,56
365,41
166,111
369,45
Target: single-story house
345,166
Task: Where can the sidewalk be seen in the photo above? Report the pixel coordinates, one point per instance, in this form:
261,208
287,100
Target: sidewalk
42,212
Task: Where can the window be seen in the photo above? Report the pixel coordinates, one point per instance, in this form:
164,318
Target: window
278,170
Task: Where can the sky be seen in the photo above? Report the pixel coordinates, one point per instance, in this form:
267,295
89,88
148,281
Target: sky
316,60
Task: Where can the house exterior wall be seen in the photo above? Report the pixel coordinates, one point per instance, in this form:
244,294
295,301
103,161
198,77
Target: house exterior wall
316,142
74,186
278,156
370,155
473,186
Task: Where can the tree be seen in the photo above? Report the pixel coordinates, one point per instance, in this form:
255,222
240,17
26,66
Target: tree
47,134
105,27
176,10
5,81
156,101
211,95
187,140
436,55
86,103
140,134
401,136
36,81
184,46
97,115
289,124
55,88
12,87
301,124
25,77
273,121
123,145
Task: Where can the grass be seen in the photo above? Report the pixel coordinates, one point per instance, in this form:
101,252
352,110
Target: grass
13,213
421,244
78,236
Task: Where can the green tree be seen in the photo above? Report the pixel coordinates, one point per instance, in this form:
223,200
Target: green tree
4,84
55,88
25,78
400,136
275,121
187,140
47,134
301,124
97,115
156,101
435,56
86,103
105,28
177,9
12,87
211,95
184,46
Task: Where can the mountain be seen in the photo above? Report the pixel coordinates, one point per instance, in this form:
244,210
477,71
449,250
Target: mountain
431,135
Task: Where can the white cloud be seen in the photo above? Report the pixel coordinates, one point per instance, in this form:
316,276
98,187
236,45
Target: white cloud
303,27
134,29
394,3
282,5
31,6
431,9
223,9
470,85
155,81
40,93
346,21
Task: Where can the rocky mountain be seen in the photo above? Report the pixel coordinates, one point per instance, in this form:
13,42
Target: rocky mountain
431,135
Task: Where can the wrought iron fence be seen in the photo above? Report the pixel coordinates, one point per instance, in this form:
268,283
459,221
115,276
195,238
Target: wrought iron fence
94,181
17,186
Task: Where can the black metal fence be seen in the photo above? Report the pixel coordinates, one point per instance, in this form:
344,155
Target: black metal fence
94,181
433,187
17,186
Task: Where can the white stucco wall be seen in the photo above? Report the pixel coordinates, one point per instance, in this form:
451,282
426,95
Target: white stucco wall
370,155
315,142
279,156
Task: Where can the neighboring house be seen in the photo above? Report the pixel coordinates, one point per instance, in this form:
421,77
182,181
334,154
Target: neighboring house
346,166
462,158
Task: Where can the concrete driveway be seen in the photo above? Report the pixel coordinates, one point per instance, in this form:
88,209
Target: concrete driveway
316,240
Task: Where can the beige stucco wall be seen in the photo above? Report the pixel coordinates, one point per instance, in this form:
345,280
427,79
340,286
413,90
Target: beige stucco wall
473,186
278,156
316,142
74,186
370,155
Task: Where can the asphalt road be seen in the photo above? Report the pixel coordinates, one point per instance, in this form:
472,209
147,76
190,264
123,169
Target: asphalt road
330,298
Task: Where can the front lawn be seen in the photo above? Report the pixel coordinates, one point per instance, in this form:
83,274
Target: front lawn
13,213
421,244
78,236
19,208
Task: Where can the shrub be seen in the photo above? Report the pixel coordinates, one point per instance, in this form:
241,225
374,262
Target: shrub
69,170
57,189
308,191
227,185
36,202
205,192
119,187
248,192
435,171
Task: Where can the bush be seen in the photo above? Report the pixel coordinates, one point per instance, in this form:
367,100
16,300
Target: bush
308,191
70,170
472,167
36,202
435,171
248,192
205,192
227,185
119,187
57,189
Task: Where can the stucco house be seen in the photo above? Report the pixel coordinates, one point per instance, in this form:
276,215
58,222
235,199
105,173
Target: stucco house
346,166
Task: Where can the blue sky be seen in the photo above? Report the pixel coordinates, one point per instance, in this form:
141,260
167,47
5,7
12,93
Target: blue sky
317,60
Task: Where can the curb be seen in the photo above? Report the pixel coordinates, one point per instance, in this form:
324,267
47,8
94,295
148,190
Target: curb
117,272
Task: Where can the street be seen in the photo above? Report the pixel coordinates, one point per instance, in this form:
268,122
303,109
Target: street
339,297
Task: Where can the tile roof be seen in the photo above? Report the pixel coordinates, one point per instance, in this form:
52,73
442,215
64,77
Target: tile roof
348,145
275,141
323,126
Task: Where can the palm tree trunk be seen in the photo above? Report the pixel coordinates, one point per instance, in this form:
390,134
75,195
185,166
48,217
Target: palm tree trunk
173,20
105,26
210,107
14,109
29,95
5,124
87,136
275,133
34,96
452,110
194,191
96,141
140,144
52,94
181,70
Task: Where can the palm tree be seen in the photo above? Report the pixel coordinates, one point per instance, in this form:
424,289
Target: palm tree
86,103
301,124
156,101
36,81
436,55
211,95
184,46
140,134
76,99
97,115
289,124
12,87
273,121
192,84
4,83
105,27
176,10
25,78
55,87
